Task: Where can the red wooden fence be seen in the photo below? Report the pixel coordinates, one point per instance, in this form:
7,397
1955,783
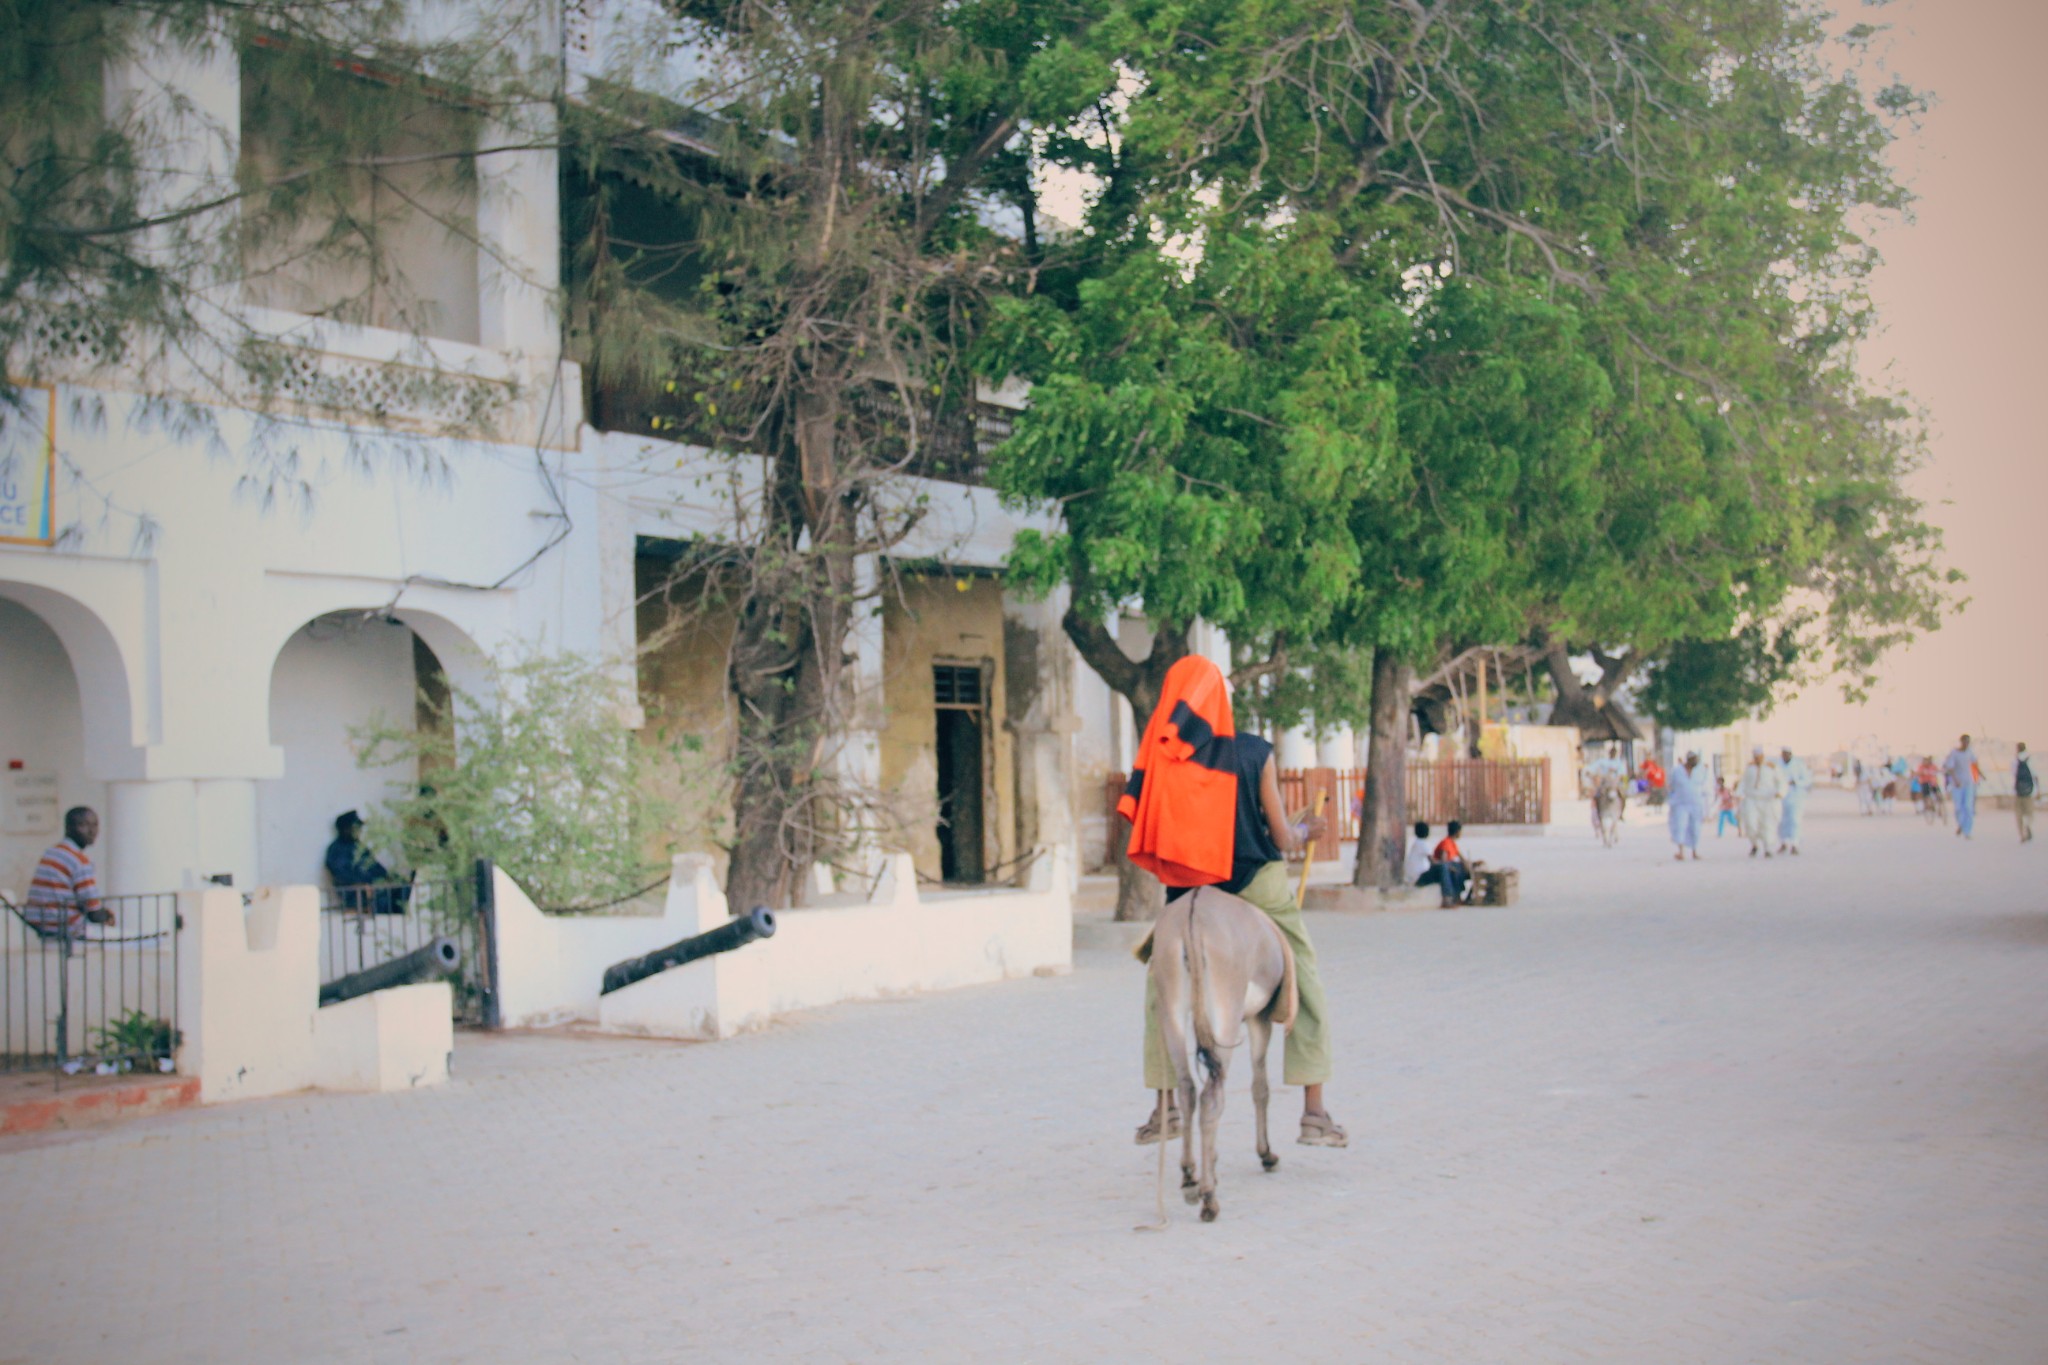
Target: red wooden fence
1476,791
1480,791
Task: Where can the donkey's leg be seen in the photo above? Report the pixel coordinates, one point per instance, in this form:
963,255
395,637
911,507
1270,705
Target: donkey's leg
1175,997
1259,1032
1212,1114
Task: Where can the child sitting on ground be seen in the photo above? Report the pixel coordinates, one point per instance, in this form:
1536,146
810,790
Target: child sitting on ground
1448,870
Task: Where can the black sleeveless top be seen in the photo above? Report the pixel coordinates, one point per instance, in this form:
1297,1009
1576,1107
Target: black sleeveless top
1253,846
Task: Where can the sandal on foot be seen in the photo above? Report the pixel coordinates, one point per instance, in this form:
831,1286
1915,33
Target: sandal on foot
1320,1130
1148,1131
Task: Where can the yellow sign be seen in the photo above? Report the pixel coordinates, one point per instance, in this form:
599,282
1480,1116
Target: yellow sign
28,466
1494,742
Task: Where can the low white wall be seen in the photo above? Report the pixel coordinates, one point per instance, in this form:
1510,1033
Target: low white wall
550,966
895,942
249,1006
397,1039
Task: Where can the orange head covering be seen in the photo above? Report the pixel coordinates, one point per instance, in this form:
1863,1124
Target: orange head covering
1181,799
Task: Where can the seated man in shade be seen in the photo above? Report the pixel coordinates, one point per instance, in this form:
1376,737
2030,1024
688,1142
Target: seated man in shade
362,881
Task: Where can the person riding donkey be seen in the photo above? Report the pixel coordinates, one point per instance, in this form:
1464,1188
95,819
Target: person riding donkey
1205,810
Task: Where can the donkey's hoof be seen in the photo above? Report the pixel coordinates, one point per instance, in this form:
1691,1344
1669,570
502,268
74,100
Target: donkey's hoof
1191,1194
1209,1209
1269,1161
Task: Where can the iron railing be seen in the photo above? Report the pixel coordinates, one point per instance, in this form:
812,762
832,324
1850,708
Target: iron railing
82,997
367,926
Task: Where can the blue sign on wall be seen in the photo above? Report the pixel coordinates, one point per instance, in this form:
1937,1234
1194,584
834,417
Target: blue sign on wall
28,466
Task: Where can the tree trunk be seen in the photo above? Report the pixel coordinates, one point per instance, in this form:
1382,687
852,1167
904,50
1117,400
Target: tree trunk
1578,705
1383,823
788,665
1139,896
775,690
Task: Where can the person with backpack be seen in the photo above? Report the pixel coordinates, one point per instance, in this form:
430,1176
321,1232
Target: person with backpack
2023,793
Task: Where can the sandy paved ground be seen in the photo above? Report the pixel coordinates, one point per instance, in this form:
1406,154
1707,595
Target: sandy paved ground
1784,1112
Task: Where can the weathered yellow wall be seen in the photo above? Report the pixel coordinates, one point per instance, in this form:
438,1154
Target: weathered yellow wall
958,620
684,639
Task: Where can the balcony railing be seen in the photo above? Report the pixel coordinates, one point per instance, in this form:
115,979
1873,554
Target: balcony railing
953,445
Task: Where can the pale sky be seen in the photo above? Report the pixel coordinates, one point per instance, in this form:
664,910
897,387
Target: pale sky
1963,295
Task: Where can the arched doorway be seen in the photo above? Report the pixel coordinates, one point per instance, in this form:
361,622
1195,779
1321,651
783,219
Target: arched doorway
43,763
337,677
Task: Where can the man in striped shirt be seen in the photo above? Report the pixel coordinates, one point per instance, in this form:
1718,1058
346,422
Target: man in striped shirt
64,894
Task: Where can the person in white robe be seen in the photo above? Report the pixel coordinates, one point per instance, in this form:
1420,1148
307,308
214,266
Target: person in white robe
1762,789
1685,801
1792,817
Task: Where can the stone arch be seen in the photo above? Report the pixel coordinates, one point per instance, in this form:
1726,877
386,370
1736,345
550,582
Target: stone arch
113,730
336,673
66,724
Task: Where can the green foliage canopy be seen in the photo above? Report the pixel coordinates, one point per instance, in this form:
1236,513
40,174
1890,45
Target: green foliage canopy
1706,684
1611,259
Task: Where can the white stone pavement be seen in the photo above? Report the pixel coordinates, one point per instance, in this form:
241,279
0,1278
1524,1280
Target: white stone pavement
1733,1112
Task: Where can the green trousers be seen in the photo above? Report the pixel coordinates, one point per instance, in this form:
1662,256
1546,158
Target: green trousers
1307,1059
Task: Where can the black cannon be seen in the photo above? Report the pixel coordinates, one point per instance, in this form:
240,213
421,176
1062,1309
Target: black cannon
440,958
756,923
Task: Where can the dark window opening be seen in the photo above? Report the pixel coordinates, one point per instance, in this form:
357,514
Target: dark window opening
958,692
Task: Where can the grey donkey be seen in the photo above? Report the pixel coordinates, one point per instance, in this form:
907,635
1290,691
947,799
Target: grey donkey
1221,969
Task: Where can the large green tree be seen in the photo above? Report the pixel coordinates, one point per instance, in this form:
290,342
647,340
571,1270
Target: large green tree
1204,426
1614,249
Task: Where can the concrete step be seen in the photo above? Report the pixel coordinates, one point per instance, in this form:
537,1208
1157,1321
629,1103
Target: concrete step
35,1102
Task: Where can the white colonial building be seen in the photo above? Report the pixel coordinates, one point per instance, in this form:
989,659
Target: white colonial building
199,604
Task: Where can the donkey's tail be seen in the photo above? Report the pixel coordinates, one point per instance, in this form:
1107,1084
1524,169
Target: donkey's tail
1205,1037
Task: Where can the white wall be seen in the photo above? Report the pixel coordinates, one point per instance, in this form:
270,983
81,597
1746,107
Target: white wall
329,678
1559,744
41,724
249,1006
896,941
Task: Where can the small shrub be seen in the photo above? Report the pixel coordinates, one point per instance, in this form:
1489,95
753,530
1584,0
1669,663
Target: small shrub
542,778
135,1037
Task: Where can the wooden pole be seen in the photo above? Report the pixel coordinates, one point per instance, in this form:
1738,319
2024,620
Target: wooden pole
1308,853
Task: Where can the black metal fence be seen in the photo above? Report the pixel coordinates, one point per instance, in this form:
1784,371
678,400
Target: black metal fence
81,997
367,926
